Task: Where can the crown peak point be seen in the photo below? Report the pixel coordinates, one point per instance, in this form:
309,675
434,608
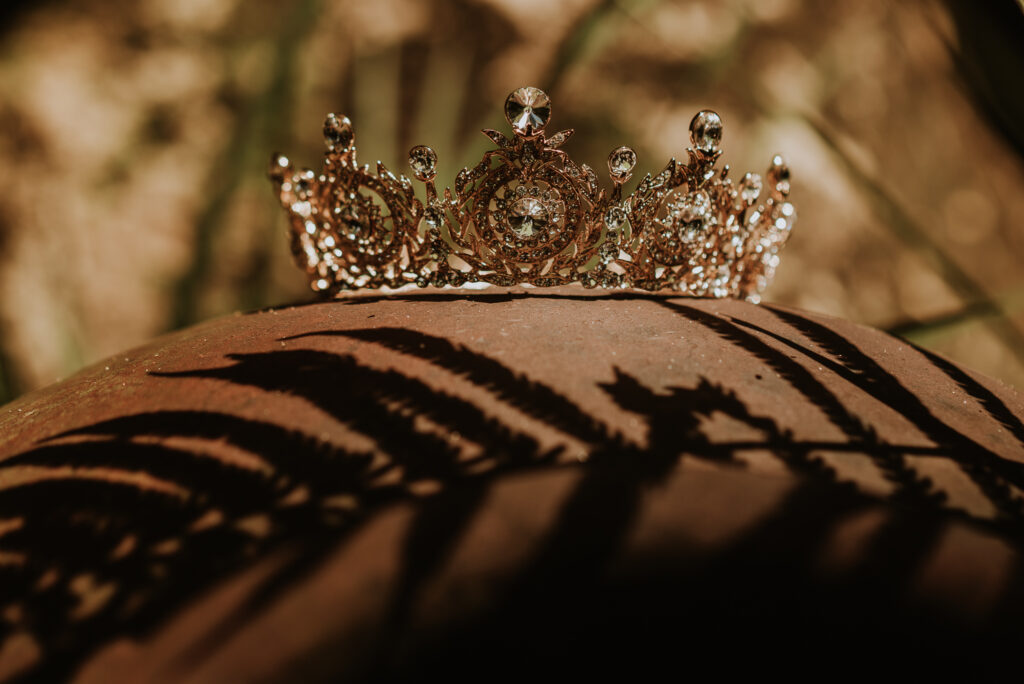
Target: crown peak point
279,167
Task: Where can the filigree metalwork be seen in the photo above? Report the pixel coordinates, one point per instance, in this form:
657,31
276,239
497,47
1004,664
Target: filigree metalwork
528,214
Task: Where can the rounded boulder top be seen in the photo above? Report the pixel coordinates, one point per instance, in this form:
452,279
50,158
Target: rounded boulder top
487,483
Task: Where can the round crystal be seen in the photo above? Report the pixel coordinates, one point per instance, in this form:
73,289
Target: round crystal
750,188
527,111
423,161
527,217
778,175
621,163
706,131
616,218
338,132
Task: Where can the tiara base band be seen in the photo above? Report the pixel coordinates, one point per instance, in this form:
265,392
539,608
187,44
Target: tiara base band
527,214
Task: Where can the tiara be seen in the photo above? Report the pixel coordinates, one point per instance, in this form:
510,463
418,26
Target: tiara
528,214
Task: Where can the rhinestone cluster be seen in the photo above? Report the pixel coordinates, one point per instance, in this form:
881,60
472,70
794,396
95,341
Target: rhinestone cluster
528,214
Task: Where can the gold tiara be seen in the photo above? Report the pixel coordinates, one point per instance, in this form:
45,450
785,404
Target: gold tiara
528,214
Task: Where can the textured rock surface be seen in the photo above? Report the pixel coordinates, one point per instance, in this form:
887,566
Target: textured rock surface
475,481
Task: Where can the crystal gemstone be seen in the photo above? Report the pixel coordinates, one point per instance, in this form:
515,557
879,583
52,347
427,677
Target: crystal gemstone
706,131
527,216
423,161
621,163
527,110
338,131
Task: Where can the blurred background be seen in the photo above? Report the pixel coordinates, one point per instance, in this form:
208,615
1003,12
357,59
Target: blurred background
134,137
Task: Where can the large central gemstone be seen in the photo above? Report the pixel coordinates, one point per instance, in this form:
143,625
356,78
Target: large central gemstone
527,216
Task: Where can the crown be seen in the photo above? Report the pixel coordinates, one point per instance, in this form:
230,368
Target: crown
528,214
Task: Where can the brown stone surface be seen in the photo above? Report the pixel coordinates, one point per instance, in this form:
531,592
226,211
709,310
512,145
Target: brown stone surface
324,491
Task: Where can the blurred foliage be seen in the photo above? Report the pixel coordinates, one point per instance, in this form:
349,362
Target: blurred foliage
136,135
989,52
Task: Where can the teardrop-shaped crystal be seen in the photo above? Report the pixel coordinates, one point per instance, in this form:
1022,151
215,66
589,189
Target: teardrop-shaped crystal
621,163
778,175
423,161
527,110
706,131
559,138
338,132
750,188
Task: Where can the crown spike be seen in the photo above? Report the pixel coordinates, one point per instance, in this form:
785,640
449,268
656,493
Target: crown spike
498,138
558,139
279,169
